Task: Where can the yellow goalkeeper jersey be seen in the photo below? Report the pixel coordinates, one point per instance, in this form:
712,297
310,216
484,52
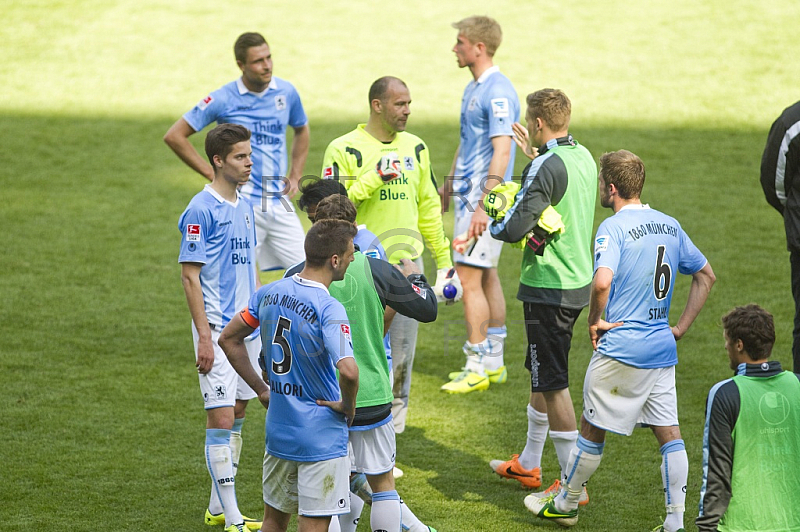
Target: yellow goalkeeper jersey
400,212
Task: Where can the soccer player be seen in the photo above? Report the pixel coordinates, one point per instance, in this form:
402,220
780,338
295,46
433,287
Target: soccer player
388,175
631,376
307,339
780,179
554,280
752,431
218,275
485,157
265,105
369,288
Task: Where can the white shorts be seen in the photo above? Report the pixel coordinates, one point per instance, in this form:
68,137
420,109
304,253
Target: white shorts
485,253
222,386
279,235
617,397
372,451
313,489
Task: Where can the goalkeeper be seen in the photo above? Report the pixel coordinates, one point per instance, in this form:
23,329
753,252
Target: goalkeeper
556,273
387,173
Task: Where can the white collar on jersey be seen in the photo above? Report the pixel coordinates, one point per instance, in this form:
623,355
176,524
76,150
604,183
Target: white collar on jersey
630,206
306,282
219,198
244,90
488,72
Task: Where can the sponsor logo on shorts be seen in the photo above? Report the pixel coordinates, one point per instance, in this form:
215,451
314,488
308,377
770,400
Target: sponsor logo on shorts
280,102
193,233
205,102
342,503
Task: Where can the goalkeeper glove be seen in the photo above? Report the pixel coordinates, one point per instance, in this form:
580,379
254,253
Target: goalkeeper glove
500,199
448,286
389,167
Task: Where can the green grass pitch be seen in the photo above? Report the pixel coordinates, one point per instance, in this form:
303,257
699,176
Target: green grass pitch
102,420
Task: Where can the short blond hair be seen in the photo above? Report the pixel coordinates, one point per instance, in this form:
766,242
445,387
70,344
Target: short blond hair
481,29
552,106
625,170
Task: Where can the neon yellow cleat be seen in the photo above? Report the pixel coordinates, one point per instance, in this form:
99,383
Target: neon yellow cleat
466,382
545,508
497,376
219,519
555,487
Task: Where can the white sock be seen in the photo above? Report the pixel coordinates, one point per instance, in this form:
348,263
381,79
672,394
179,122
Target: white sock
386,512
531,455
349,522
564,443
475,356
497,336
220,467
674,473
334,525
410,521
583,462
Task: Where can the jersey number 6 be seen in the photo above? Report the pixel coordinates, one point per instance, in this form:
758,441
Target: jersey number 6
663,275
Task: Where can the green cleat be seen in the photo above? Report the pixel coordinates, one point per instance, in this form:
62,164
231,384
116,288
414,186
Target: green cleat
498,376
219,519
466,382
545,508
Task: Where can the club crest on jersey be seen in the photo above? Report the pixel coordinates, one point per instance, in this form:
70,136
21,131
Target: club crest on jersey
247,220
193,233
280,102
500,107
205,102
420,292
408,163
473,103
600,243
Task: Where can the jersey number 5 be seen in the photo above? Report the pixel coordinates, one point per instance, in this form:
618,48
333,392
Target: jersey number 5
283,366
663,275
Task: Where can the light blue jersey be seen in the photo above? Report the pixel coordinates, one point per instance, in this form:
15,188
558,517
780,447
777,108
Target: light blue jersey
221,236
488,109
305,333
645,249
266,115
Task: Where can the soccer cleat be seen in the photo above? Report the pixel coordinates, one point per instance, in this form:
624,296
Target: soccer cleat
466,382
237,528
529,478
453,374
555,487
219,519
545,508
498,376
431,529
660,528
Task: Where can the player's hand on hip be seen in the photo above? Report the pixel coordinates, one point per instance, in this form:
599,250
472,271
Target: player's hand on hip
205,356
599,329
479,223
264,398
677,333
339,406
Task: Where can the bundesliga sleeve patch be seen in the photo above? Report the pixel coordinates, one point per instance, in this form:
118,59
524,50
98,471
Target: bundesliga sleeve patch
600,243
193,233
328,173
500,107
205,102
346,331
422,293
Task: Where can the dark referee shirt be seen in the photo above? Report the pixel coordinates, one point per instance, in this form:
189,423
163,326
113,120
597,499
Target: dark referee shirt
780,172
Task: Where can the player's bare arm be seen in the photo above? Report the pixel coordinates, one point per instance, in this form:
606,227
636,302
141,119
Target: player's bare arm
601,286
702,281
177,138
300,144
501,154
190,278
348,382
231,340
